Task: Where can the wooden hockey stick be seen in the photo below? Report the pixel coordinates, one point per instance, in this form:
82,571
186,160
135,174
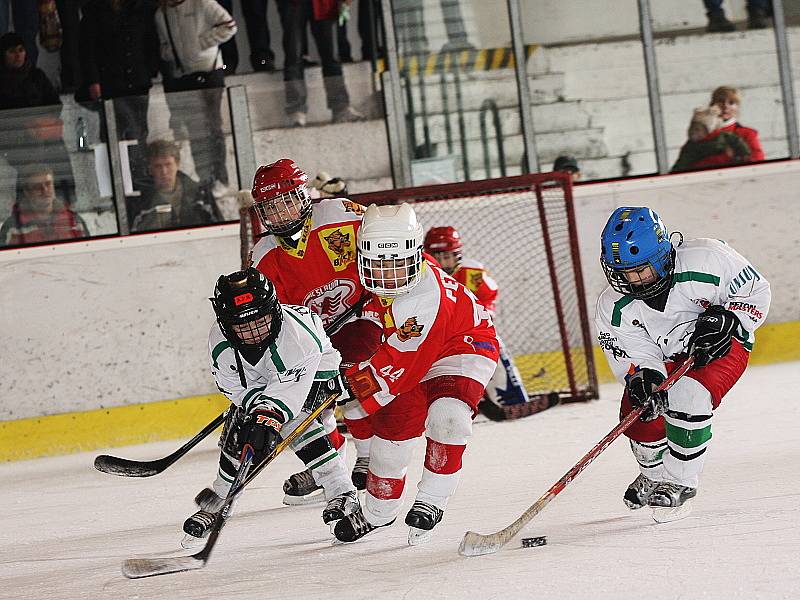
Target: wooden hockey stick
137,568
124,467
476,544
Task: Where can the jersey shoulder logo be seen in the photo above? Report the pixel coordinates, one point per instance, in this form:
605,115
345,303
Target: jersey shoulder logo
339,245
475,279
353,207
409,329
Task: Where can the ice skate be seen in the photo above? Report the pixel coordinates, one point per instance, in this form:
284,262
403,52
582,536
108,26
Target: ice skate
360,470
354,526
422,518
197,528
639,491
671,502
301,489
340,506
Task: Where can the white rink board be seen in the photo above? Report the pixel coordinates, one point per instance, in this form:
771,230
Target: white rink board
65,528
123,321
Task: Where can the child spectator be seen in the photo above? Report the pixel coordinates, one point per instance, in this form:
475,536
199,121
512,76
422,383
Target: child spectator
702,144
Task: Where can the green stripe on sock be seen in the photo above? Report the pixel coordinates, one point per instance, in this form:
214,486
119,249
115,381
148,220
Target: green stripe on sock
688,438
318,464
305,436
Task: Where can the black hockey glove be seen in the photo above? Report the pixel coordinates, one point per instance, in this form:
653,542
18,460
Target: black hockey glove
712,335
640,388
264,432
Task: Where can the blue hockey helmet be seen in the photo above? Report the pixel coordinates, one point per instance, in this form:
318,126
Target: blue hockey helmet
635,237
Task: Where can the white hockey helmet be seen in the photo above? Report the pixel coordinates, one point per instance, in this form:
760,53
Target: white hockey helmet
390,250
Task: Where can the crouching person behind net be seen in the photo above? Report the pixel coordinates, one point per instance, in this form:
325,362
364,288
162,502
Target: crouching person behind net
273,362
438,352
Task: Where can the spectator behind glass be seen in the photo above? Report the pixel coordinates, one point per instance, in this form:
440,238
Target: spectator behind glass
190,32
757,13
701,144
38,216
175,199
35,135
568,164
119,51
727,100
322,17
329,187
26,23
262,58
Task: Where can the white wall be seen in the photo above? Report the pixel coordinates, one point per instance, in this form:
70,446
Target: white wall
121,321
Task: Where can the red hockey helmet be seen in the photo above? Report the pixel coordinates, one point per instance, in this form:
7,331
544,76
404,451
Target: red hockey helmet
281,198
442,239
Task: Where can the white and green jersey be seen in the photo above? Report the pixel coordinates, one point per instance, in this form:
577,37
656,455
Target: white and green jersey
283,376
707,272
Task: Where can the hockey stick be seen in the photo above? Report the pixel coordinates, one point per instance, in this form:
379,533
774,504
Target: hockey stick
124,467
147,468
136,568
476,544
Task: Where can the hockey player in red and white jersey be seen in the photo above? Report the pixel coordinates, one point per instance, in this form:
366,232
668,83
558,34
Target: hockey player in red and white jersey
309,253
439,350
665,302
445,245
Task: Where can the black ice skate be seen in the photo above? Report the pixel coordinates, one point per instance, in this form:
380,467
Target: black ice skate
360,470
422,518
301,489
639,491
355,526
671,501
340,506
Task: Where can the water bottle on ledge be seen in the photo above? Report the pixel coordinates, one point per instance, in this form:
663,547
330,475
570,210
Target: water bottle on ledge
82,135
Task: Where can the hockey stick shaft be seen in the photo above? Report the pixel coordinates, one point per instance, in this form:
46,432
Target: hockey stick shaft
148,567
124,467
134,468
476,544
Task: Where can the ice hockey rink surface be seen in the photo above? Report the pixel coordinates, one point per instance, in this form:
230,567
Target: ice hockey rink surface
66,528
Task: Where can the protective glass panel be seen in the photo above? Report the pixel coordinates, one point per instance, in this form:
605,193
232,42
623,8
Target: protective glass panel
728,47
588,86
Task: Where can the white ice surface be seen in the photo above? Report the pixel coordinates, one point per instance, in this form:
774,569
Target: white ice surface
66,528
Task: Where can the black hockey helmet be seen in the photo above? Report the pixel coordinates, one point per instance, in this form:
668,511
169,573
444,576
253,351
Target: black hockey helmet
247,309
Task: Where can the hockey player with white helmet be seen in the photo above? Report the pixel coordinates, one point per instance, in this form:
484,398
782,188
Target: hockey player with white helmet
666,302
274,362
310,256
438,352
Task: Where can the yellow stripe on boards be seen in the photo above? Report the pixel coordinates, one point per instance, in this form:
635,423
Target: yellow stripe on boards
106,428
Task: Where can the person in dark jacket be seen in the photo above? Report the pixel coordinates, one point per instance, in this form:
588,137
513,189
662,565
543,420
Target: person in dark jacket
175,199
119,58
31,129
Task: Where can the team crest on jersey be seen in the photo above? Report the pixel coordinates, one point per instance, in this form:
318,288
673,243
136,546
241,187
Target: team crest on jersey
475,280
353,207
409,329
339,245
331,299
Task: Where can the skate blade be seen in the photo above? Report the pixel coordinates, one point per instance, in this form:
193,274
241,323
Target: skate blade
189,542
417,537
317,497
667,514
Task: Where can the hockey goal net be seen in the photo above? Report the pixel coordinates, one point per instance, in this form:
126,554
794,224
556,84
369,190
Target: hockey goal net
523,230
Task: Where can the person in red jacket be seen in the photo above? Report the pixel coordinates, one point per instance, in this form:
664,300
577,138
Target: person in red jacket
728,100
39,216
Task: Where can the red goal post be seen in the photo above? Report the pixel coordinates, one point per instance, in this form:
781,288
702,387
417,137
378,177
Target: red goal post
523,230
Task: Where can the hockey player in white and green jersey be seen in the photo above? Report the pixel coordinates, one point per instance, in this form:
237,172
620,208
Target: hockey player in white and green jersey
665,302
275,364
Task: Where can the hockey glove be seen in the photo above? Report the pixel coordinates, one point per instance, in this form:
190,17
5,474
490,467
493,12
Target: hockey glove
264,432
712,335
640,388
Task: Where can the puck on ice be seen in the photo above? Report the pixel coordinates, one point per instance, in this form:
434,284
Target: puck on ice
532,542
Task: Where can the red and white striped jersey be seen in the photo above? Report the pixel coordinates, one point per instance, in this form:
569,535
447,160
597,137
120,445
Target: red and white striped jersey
474,276
320,272
439,328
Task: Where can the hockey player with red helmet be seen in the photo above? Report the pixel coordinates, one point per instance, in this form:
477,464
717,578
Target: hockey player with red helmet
428,375
309,253
505,387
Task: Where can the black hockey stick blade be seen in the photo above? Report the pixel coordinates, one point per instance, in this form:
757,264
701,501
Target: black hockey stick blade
125,467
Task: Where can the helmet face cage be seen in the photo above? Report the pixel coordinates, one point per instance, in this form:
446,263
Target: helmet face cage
247,309
390,277
284,213
633,239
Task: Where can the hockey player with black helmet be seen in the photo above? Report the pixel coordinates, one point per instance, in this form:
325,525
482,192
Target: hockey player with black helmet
273,361
666,302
